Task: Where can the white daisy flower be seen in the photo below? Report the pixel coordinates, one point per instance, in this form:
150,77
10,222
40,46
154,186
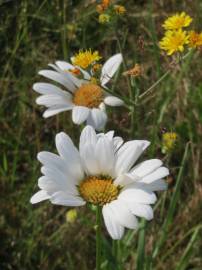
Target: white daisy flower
102,172
84,97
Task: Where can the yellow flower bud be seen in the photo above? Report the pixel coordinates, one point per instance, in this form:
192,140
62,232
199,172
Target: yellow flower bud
71,215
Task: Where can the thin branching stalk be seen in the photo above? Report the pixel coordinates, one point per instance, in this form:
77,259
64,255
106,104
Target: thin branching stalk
150,89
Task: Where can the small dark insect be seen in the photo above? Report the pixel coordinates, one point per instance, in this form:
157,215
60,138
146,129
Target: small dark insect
163,130
170,180
141,43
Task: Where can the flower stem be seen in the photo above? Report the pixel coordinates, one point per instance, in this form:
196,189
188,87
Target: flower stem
98,238
150,89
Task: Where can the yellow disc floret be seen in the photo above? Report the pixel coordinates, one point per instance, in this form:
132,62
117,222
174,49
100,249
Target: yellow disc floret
98,190
85,58
195,39
174,41
88,95
177,21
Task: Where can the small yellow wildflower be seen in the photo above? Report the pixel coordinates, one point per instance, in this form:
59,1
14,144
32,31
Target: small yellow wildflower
119,9
100,8
195,39
85,58
103,6
105,3
168,141
177,21
134,72
104,18
174,41
71,215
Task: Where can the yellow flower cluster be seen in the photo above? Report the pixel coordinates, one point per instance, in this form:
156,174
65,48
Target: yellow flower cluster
107,11
175,37
168,141
86,58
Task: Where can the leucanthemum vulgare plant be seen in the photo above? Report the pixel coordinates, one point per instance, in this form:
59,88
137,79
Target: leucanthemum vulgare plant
84,88
104,171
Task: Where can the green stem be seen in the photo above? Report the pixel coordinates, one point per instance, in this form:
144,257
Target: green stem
150,89
98,238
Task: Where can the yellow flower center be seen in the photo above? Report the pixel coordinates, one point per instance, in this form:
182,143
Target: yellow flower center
98,190
88,95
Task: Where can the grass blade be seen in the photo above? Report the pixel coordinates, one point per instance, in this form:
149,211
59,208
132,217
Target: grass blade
172,205
184,261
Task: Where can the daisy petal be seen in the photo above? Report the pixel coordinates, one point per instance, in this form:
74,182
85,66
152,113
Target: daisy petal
70,154
123,214
113,101
89,159
157,174
52,100
39,196
137,195
80,114
115,230
64,180
123,180
144,168
118,141
51,186
105,155
50,89
155,185
126,157
141,210
109,134
67,75
53,110
97,119
56,76
66,199
88,135
53,160
110,67
65,66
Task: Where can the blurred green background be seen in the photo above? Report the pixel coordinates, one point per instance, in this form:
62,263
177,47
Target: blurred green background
35,33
